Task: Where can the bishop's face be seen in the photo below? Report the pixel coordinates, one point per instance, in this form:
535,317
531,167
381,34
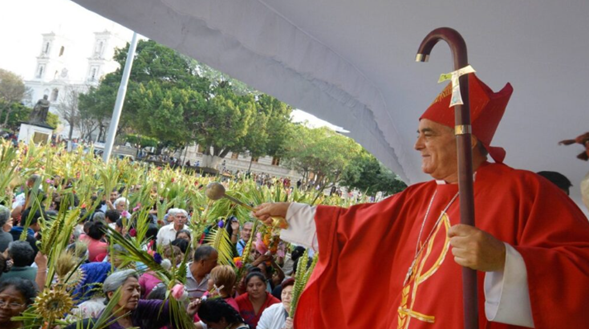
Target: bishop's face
437,145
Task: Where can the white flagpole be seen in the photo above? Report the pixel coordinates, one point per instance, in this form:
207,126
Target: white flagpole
116,114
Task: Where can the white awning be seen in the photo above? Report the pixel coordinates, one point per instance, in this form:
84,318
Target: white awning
352,63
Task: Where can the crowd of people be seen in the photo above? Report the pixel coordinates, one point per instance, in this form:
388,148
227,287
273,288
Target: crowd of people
216,297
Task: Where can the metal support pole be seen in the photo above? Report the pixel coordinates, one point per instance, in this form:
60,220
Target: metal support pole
116,114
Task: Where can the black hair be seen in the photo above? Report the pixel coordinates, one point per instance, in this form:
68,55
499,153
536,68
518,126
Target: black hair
253,274
558,179
296,253
203,252
151,234
228,222
3,266
251,269
216,309
112,215
96,230
24,286
187,232
180,243
158,292
21,253
34,218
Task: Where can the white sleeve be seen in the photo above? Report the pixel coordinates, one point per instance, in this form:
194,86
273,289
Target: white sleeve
301,226
265,320
160,237
507,299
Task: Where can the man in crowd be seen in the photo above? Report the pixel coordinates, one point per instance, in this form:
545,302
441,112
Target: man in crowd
109,203
22,256
111,217
177,218
20,199
122,206
197,276
558,179
530,244
245,234
33,228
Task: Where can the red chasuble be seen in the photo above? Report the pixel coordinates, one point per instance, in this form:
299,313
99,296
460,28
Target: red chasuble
366,250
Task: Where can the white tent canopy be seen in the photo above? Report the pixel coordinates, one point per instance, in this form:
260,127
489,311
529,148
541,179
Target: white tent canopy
352,63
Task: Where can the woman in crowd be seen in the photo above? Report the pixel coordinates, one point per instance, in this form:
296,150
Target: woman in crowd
276,316
217,314
16,295
172,256
221,282
131,311
97,248
184,234
255,300
87,292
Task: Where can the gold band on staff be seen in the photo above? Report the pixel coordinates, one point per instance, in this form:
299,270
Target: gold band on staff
462,129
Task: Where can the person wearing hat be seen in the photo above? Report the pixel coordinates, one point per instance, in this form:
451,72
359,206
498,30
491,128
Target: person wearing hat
530,245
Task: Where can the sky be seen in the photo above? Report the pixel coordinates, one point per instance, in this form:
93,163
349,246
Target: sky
23,22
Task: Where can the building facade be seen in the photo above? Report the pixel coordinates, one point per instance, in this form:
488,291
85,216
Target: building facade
65,67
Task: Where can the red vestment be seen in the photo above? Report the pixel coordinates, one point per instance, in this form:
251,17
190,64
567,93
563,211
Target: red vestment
366,250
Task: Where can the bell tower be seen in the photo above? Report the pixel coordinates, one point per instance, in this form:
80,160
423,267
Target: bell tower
52,59
101,59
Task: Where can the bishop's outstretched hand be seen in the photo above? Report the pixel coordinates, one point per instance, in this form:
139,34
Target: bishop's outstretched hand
266,211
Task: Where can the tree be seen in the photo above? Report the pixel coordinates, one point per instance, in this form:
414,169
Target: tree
96,106
180,101
53,119
12,90
160,88
222,124
321,153
367,174
68,107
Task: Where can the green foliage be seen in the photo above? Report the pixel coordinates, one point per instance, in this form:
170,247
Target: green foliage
12,90
270,129
53,119
367,174
179,101
304,271
320,151
140,140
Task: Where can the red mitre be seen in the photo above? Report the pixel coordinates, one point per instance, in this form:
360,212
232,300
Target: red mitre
486,111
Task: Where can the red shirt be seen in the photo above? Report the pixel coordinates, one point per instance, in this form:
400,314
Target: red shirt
246,309
96,248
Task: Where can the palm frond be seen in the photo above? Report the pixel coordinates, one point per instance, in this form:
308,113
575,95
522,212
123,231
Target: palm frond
219,239
304,271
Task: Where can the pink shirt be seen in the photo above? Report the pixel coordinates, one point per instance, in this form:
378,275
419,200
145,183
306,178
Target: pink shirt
148,281
96,248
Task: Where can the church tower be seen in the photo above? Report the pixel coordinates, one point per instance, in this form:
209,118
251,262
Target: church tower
53,57
52,67
101,59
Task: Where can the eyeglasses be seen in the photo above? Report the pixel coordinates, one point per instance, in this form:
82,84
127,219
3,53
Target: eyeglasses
4,303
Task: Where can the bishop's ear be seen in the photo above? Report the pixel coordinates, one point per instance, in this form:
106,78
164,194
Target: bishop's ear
474,142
